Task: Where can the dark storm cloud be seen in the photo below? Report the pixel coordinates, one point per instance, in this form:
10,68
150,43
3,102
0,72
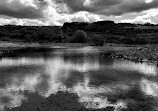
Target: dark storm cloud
110,7
89,5
136,6
17,9
22,13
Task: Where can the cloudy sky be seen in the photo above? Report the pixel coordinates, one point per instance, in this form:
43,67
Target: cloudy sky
56,12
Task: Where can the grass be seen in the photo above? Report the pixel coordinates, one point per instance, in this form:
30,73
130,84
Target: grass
144,53
136,53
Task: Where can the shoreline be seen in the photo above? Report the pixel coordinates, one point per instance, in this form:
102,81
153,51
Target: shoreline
135,53
148,54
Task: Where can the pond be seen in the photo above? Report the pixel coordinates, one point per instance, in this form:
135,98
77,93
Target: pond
99,80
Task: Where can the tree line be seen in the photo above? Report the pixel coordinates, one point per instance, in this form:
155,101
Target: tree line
96,33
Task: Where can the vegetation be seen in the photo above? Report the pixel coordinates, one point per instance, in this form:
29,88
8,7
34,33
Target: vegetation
80,36
97,39
143,53
96,33
31,34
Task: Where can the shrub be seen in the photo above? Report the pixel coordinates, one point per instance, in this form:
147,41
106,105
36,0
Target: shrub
80,36
141,41
98,39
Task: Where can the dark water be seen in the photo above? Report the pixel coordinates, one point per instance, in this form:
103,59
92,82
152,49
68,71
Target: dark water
93,75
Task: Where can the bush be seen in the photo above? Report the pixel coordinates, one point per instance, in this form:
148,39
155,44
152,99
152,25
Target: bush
80,36
141,41
98,39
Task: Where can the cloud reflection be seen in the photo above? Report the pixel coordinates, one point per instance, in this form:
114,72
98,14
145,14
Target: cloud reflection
149,87
10,99
21,61
75,74
58,69
143,68
28,83
92,97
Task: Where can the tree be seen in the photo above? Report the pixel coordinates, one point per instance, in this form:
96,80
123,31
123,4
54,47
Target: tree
58,35
98,39
80,36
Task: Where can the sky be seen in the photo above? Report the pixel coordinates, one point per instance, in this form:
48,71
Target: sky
57,12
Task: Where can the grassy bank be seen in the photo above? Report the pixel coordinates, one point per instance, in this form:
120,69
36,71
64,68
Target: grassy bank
141,53
136,53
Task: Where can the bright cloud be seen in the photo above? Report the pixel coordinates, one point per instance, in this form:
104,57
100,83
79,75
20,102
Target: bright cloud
56,12
148,1
145,16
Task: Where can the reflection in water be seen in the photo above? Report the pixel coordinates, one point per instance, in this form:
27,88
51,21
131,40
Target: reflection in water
10,99
90,95
144,68
21,61
149,87
28,83
94,77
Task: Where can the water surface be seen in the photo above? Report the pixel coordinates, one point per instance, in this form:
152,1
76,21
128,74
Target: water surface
99,80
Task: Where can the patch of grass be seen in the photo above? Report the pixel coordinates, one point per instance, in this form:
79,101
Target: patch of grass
139,54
